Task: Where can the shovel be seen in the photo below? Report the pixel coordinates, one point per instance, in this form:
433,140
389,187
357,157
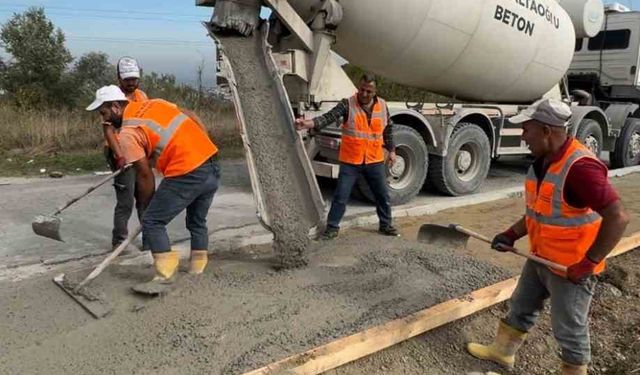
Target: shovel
93,302
49,226
456,235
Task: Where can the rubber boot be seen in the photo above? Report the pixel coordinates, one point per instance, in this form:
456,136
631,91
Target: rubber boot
504,347
569,369
166,266
199,260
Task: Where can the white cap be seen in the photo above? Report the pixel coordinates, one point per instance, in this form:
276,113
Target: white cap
548,111
128,68
111,93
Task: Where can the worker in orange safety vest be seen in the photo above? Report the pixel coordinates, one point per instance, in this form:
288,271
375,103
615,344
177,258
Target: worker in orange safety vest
128,72
367,131
177,142
574,218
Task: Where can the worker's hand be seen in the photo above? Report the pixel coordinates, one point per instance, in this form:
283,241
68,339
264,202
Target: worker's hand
579,272
503,241
392,158
120,162
302,124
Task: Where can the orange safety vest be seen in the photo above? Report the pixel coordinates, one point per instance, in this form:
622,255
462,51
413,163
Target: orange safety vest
137,96
361,141
177,143
557,231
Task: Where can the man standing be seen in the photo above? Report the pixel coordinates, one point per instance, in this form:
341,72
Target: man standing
124,184
184,154
366,131
574,217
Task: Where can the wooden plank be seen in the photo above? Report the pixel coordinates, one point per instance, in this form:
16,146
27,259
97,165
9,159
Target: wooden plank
361,344
626,244
372,340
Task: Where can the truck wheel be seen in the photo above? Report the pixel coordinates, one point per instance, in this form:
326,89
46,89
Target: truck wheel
590,134
406,177
627,151
467,163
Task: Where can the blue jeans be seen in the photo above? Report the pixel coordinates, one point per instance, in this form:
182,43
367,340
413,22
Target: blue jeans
193,191
569,309
375,175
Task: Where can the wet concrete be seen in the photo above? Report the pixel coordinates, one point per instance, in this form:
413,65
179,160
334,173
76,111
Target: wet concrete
238,316
272,140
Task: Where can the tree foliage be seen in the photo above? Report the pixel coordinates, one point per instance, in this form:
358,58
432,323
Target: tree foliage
39,58
393,91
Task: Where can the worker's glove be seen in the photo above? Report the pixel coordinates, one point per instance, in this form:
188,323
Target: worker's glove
120,162
579,272
505,240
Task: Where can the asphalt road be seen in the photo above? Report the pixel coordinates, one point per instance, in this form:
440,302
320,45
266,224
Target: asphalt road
87,225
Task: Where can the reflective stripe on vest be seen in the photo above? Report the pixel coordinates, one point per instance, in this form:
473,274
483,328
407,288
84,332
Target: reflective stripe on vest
557,180
362,137
558,231
174,140
165,133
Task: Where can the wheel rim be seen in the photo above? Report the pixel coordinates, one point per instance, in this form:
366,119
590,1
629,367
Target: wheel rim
634,146
466,162
399,175
591,142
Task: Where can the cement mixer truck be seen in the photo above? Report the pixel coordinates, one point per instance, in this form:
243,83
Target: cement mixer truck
492,57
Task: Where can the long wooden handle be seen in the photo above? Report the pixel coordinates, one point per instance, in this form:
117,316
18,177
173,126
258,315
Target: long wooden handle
98,270
92,188
534,258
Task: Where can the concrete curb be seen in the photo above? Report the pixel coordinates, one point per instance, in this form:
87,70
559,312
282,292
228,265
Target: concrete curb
228,239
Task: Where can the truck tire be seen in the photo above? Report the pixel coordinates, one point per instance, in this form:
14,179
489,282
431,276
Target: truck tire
406,177
467,163
590,134
627,151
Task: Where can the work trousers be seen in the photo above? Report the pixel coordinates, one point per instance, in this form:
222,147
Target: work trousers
125,187
375,175
569,309
194,192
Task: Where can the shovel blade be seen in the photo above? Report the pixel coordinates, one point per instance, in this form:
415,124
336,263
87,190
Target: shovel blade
95,304
47,226
442,236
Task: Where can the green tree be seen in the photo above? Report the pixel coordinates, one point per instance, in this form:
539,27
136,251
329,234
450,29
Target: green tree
394,91
92,71
39,58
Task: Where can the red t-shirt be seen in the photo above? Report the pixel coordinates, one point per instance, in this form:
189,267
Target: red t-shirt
587,184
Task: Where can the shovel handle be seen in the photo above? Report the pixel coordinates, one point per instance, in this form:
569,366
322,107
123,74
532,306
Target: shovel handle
532,257
92,188
98,270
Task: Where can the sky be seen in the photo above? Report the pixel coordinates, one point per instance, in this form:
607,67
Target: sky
166,36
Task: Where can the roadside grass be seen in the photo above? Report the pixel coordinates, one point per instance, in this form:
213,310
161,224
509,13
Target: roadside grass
71,141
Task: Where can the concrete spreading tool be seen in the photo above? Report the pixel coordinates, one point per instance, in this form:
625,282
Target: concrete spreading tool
94,302
456,235
49,226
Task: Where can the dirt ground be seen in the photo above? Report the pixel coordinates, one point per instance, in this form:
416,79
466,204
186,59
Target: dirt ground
242,314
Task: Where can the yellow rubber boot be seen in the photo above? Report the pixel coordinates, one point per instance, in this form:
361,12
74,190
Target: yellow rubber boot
504,347
199,260
569,369
166,265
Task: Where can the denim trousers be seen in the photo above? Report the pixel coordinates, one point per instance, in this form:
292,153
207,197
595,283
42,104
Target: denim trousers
194,192
375,175
570,305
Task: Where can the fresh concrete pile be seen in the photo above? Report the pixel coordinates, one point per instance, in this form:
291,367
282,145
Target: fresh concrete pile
271,137
238,316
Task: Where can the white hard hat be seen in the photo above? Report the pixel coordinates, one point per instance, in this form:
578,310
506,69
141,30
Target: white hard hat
128,68
111,93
